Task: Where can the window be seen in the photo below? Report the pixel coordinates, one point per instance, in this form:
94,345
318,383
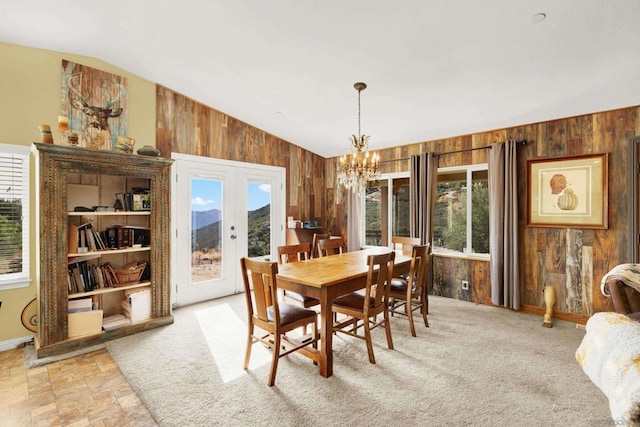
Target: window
14,216
461,223
386,210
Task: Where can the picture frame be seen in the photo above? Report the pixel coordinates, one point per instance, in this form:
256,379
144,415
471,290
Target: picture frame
568,192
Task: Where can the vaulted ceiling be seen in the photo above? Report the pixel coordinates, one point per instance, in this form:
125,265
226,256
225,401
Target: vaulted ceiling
434,68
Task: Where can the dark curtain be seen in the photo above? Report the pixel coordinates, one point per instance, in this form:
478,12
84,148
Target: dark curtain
422,199
503,225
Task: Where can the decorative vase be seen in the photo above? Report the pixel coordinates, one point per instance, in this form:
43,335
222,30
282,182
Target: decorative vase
148,150
45,134
549,301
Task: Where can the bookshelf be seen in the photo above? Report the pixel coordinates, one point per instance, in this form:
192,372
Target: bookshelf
71,178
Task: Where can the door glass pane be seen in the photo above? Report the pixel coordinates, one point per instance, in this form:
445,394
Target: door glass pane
259,220
206,226
400,215
376,213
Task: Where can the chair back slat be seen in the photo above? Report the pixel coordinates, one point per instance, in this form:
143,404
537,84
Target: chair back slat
293,253
331,246
264,285
420,259
404,243
314,242
378,279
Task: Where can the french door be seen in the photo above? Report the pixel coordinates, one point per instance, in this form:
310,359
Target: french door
222,211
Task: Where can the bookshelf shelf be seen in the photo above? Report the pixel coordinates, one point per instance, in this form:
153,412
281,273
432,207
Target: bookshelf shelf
107,290
115,213
72,176
110,252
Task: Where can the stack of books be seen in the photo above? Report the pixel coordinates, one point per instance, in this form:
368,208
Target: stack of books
137,305
114,322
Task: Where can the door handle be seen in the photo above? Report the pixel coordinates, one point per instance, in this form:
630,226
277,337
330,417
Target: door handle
233,236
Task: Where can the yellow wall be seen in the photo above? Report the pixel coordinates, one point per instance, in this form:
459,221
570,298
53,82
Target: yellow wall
29,96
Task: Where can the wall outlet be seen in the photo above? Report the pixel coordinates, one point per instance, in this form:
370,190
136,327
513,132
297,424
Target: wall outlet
465,285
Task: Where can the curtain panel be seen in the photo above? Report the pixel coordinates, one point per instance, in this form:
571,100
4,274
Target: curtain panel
503,225
354,221
422,195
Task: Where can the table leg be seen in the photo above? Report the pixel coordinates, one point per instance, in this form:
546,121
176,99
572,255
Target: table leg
326,335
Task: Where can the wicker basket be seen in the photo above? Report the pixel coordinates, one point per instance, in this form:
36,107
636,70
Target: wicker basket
127,275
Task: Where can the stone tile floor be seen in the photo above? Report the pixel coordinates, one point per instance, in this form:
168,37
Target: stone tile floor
86,390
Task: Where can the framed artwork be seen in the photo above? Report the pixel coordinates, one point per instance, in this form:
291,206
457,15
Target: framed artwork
93,106
568,191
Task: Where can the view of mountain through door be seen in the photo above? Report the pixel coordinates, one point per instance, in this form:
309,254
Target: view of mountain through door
223,211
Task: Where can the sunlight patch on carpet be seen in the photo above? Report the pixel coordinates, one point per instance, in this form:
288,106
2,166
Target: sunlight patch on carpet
226,336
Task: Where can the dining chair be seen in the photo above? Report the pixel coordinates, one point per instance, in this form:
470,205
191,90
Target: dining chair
331,246
411,292
294,253
362,309
271,316
404,243
314,242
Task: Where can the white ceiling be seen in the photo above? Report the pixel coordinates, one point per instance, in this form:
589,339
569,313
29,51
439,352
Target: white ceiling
434,68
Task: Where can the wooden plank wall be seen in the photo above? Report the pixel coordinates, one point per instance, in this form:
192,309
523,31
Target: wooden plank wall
188,127
572,260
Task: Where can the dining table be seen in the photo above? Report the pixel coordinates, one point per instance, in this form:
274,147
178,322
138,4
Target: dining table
326,278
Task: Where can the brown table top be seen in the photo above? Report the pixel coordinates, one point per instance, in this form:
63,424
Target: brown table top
329,270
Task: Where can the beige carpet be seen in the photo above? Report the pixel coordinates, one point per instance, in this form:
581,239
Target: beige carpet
476,366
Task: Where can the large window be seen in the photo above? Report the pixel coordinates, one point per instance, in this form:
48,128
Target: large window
461,223
14,216
386,210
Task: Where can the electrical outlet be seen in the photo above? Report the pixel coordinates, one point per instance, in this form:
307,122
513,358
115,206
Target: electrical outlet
465,285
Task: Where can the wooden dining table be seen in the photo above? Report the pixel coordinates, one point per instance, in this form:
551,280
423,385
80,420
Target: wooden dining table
327,278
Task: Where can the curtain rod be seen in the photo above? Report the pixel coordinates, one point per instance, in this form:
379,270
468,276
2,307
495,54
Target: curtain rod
523,142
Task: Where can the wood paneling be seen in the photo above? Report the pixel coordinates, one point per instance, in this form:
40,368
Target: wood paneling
571,260
188,127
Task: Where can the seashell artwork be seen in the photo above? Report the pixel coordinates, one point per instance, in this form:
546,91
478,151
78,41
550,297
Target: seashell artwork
558,182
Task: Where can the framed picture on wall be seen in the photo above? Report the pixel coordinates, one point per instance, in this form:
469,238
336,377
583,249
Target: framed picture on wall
568,191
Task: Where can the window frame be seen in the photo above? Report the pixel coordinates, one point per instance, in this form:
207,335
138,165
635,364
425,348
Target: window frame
22,279
468,253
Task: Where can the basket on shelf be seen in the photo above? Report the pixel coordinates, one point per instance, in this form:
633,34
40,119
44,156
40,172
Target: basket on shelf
126,275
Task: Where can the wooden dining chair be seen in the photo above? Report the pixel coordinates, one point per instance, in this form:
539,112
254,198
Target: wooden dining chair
411,292
363,309
404,243
271,316
294,253
314,242
331,246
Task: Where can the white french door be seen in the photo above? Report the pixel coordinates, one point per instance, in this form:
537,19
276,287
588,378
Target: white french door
222,211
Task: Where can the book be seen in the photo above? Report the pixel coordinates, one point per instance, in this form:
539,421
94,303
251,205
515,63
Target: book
115,321
72,239
80,304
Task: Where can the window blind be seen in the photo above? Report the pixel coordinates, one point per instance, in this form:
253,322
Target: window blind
14,216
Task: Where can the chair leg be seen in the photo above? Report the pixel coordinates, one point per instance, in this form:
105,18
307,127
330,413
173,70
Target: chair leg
247,354
409,310
274,361
425,309
387,328
367,334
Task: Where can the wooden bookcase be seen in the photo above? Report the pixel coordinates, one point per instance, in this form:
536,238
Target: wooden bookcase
67,176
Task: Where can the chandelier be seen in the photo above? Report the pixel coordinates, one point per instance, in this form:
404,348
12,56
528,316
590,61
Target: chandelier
359,167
